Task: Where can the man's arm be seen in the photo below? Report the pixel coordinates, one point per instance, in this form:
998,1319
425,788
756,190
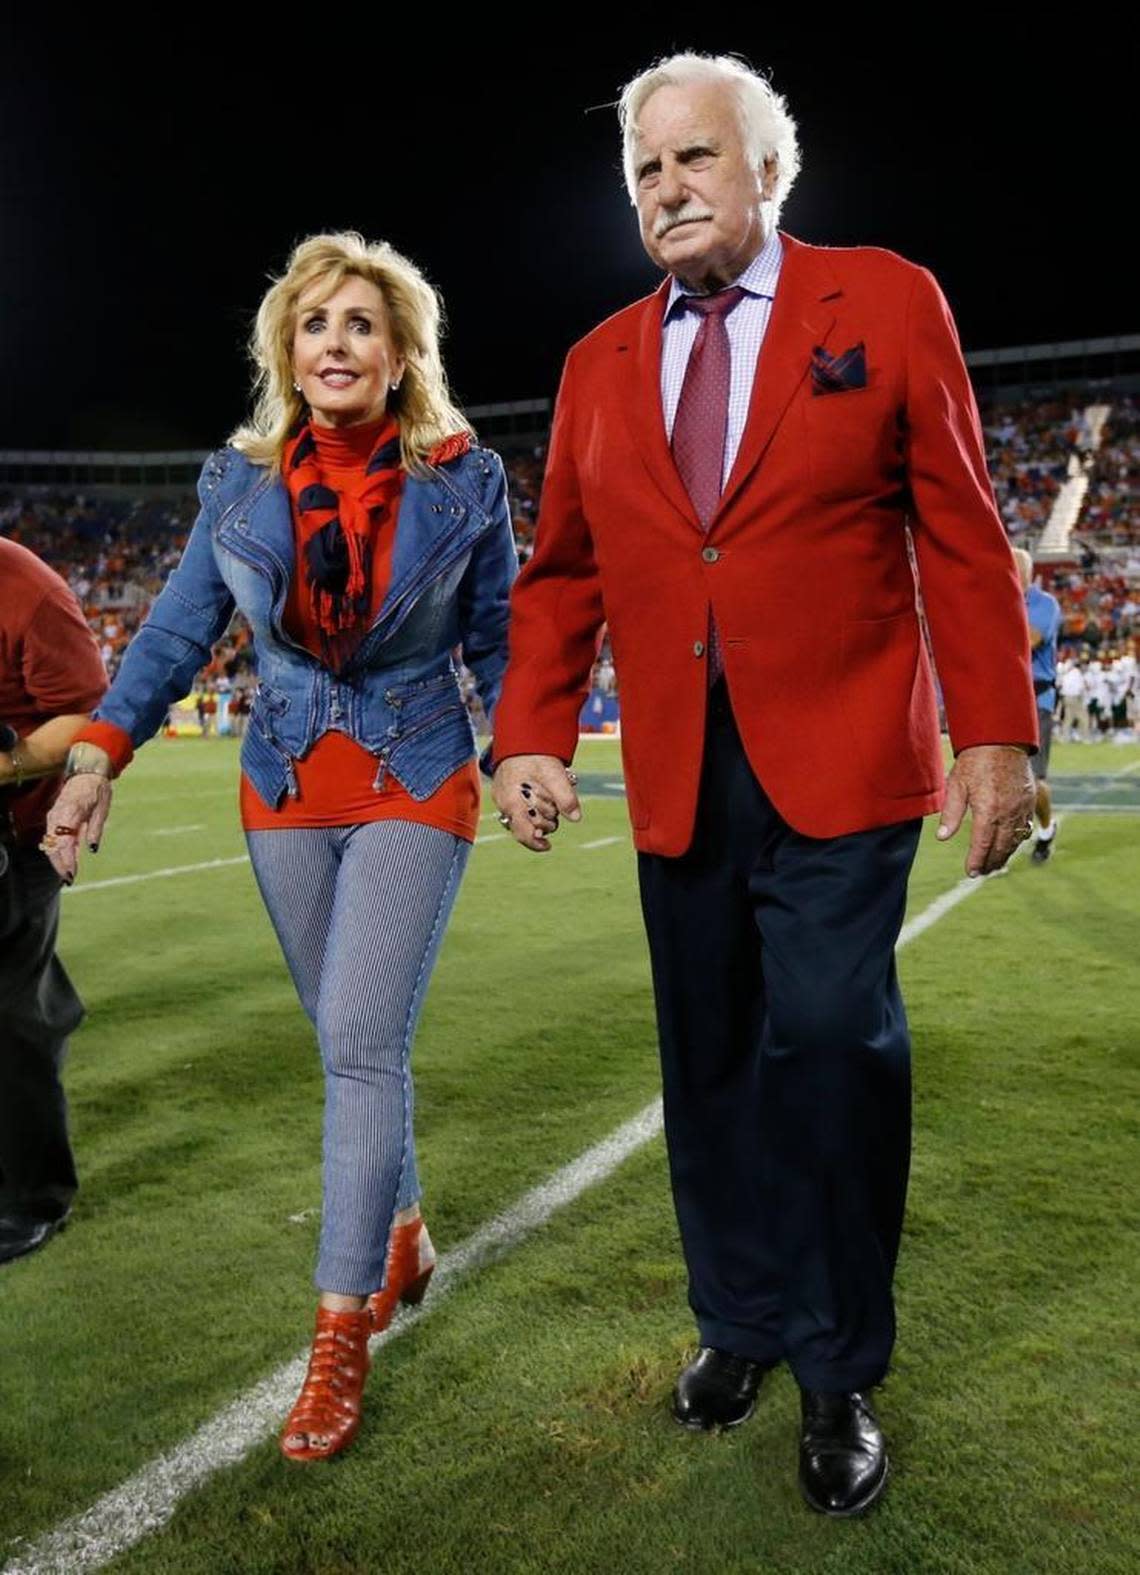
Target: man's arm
556,616
43,751
971,592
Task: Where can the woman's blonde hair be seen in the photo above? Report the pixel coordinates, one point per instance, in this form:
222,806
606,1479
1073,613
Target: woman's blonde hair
422,403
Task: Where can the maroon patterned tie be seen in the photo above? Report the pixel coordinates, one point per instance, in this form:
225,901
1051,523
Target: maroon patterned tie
701,423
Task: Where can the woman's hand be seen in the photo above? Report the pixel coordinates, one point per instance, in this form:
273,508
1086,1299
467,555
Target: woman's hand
79,813
531,792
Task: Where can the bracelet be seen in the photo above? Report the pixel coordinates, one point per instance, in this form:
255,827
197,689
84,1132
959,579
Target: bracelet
19,764
83,759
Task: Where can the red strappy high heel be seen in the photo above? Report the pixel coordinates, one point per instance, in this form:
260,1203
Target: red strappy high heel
327,1413
411,1260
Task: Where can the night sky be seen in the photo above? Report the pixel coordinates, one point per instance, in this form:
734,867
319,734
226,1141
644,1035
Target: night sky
149,182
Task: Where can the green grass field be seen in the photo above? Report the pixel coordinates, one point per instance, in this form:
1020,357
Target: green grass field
522,1424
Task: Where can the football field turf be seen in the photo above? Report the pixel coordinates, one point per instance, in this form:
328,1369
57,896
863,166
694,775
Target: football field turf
521,1423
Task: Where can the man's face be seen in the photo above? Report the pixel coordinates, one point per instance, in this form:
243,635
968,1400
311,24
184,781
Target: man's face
698,197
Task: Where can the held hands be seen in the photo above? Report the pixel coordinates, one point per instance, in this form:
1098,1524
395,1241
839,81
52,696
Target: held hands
79,813
995,782
531,792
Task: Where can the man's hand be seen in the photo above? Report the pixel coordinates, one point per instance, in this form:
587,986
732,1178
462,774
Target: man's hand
79,813
995,783
532,791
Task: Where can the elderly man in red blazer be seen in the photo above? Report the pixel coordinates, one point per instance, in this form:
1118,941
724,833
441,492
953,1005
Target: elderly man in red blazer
745,469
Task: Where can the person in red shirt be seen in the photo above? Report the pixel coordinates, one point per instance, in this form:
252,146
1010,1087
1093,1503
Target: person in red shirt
364,537
51,678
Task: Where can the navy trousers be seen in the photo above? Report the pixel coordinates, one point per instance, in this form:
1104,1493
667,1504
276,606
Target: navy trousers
786,1070
38,1010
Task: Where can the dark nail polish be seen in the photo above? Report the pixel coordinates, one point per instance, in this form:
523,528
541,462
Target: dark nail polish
533,813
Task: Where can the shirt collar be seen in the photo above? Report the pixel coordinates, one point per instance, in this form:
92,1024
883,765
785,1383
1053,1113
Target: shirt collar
759,278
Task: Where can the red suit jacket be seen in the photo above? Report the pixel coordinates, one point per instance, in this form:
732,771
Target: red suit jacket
805,563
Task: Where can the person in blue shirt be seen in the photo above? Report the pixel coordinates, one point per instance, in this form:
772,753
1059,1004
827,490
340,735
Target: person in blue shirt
1044,614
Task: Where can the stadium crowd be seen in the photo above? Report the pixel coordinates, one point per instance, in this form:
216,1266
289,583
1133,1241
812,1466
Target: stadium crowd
1031,447
116,554
1110,516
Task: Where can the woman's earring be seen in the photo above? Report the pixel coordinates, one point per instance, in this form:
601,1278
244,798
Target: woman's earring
296,387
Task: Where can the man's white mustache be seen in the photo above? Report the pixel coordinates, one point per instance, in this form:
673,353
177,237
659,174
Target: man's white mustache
669,221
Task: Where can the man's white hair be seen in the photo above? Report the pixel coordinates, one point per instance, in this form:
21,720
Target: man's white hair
769,130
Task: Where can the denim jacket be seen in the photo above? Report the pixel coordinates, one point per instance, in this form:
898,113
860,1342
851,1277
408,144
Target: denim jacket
453,562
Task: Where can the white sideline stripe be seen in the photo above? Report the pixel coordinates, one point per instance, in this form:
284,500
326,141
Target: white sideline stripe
147,1501
172,831
602,842
131,880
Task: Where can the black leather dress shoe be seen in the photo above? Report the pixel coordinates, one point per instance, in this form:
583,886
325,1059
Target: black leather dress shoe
20,1235
718,1389
843,1460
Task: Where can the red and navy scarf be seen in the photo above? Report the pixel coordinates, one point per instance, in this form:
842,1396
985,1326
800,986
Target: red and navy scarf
335,526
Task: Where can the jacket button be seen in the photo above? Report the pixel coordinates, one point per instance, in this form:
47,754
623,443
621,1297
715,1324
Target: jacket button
698,647
709,554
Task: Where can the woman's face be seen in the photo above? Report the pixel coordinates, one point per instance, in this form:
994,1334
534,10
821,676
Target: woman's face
343,354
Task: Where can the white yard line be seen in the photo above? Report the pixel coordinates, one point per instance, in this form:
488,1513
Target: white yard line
950,899
241,858
173,831
147,1501
132,880
601,842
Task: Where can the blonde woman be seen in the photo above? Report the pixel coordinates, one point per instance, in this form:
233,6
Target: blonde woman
365,537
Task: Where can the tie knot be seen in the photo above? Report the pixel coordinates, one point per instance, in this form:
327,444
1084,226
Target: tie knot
718,305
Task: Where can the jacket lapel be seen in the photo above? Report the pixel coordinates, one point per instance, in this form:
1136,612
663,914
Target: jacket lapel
801,318
270,522
639,360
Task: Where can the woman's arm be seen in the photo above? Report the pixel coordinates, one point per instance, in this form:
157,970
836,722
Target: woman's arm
485,590
159,666
188,616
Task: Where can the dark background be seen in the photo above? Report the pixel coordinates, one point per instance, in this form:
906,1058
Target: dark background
153,173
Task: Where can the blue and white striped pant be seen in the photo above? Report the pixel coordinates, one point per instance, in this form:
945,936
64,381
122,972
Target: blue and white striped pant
360,912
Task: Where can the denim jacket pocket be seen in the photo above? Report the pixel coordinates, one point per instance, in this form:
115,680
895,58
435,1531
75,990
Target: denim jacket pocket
269,705
426,751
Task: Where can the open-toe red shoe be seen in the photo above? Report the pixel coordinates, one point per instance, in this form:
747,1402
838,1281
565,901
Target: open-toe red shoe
411,1259
326,1417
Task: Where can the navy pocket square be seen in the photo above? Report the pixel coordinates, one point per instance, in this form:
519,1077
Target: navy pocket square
835,374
